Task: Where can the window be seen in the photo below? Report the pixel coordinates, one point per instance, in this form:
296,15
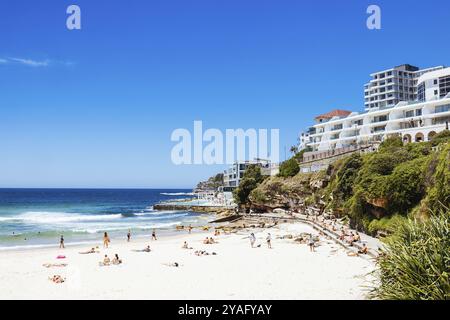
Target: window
443,108
435,82
409,114
421,92
436,92
418,112
444,86
380,118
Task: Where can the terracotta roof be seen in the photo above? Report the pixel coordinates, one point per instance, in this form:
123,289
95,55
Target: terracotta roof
334,113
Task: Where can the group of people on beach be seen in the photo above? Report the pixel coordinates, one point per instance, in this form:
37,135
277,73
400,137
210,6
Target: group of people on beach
252,238
107,261
349,238
209,240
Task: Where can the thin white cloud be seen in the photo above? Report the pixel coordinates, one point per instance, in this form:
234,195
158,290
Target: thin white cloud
35,63
31,63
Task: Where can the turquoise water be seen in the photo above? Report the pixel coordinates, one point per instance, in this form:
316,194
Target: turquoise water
38,217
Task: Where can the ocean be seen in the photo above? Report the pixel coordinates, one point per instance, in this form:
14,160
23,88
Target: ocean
38,217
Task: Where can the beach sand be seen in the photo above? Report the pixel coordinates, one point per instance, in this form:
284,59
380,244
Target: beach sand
288,271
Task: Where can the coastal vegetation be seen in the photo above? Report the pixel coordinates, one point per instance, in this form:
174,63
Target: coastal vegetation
379,189
401,193
251,179
415,263
289,168
374,191
213,183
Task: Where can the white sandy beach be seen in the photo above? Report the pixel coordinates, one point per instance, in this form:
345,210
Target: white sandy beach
288,271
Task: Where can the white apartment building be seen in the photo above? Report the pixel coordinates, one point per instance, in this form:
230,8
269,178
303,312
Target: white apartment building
234,174
414,121
388,87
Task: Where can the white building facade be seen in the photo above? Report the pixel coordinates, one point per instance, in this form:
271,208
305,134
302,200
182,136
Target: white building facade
414,121
234,174
389,87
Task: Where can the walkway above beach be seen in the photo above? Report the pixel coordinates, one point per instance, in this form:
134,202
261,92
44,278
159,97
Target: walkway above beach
325,226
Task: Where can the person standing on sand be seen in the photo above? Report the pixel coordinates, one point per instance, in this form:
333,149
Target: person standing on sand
154,235
269,241
190,229
252,239
61,242
129,235
311,243
106,240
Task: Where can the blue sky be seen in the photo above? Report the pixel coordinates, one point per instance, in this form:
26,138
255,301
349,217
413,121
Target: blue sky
96,107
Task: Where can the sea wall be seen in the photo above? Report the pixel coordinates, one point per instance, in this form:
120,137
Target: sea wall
195,208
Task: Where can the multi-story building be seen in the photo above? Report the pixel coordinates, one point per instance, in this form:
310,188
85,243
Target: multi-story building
234,174
414,121
389,87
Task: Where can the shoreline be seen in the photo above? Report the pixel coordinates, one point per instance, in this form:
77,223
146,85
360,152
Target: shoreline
288,271
162,233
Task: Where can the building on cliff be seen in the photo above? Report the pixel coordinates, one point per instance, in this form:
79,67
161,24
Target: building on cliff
416,116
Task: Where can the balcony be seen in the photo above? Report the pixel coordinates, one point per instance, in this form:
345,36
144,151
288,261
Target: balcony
380,119
379,129
335,128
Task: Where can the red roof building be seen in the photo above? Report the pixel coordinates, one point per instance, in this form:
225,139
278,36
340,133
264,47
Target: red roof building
332,114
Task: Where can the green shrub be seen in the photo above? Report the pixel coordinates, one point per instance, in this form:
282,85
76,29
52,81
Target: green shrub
346,176
405,186
415,264
252,177
439,192
391,143
441,137
385,224
299,155
289,168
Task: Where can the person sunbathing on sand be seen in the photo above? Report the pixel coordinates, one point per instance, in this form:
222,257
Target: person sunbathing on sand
206,241
203,253
92,250
116,260
106,261
49,265
57,279
174,264
200,253
146,249
364,249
